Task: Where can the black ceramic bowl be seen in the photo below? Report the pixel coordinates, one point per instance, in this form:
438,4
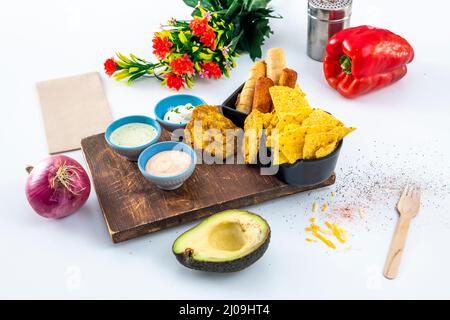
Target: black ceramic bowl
304,172
310,172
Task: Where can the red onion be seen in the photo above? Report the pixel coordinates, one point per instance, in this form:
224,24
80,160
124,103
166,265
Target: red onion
57,187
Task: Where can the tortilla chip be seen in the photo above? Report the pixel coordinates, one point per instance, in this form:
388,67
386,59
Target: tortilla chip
291,142
326,150
286,100
292,118
268,118
342,132
319,129
279,159
253,128
321,118
314,142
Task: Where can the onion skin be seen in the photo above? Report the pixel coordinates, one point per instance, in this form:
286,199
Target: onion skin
48,196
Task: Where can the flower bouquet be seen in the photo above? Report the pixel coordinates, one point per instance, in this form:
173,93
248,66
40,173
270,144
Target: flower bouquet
204,46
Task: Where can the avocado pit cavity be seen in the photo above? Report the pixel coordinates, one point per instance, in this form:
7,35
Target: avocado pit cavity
227,236
225,242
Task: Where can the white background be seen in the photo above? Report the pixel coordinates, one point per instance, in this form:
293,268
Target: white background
401,129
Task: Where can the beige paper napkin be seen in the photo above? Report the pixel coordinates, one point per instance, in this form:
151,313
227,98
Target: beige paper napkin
73,108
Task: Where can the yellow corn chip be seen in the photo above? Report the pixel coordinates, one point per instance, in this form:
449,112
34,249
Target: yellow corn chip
326,150
314,142
292,118
319,129
279,158
268,118
342,132
291,142
321,118
286,100
253,128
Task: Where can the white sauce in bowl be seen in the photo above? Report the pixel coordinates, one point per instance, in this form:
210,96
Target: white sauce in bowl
180,114
133,135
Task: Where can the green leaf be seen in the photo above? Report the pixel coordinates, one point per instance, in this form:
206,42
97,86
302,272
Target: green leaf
122,64
251,5
206,57
191,3
123,58
136,76
232,9
121,75
197,67
182,37
132,56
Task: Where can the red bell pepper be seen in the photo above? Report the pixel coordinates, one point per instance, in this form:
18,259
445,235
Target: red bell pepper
362,59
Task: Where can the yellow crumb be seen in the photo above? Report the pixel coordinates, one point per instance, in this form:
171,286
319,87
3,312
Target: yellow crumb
310,240
325,240
339,233
362,214
315,207
319,233
333,194
325,207
333,230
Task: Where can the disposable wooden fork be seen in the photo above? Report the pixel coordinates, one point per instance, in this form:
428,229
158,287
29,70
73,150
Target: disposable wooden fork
408,207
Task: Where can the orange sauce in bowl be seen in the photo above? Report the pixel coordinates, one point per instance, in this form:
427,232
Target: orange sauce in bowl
168,163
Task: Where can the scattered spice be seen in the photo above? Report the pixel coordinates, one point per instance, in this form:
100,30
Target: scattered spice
368,188
325,207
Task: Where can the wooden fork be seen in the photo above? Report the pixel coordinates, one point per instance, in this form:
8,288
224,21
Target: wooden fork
408,207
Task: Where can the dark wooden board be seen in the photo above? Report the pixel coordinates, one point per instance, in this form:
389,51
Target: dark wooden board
133,206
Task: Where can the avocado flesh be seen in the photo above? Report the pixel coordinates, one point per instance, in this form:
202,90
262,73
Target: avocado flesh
225,242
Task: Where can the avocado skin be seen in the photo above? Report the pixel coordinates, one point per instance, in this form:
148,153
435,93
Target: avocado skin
226,266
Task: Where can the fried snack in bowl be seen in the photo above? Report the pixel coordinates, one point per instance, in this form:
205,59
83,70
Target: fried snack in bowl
291,142
262,100
253,130
287,100
296,132
288,78
210,131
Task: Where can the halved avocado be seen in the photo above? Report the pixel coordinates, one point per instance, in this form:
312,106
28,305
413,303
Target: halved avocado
228,241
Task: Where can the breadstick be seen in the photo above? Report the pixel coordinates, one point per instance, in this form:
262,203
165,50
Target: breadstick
276,62
288,78
262,100
257,71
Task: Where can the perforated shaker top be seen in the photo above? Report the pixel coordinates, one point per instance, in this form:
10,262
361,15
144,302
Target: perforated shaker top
330,9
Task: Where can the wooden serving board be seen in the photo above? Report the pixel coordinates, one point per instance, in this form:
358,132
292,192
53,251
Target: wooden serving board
133,206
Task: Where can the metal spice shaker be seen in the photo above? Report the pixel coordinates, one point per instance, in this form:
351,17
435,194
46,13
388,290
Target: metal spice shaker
325,19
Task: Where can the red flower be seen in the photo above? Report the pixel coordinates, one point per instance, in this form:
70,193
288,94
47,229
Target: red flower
174,82
211,70
208,38
198,26
110,66
182,65
161,46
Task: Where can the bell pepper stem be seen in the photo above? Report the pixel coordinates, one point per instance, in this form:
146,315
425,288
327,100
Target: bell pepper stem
346,64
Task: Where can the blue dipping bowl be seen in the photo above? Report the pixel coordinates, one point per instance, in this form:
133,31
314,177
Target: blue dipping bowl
131,153
166,104
173,182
